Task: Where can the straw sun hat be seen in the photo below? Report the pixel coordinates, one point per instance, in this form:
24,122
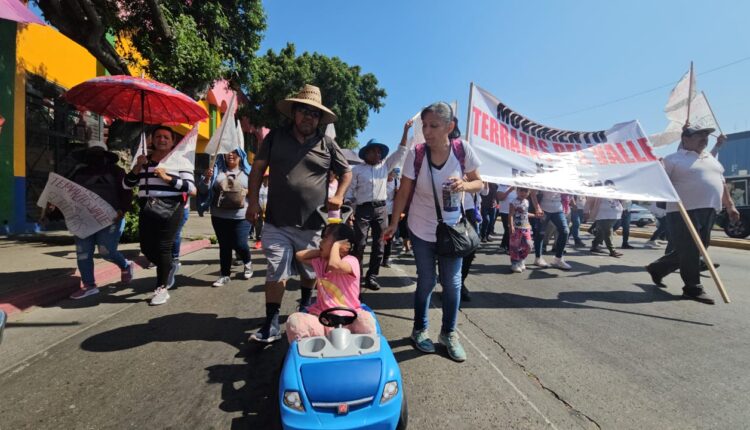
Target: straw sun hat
308,95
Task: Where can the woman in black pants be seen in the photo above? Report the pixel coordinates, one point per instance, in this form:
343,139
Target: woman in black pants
162,197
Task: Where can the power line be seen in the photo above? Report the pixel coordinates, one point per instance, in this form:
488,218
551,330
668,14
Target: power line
723,66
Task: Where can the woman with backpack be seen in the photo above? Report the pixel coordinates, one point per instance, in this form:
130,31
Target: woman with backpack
433,169
225,184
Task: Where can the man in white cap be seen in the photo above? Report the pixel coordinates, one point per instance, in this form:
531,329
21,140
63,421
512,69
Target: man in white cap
299,158
699,180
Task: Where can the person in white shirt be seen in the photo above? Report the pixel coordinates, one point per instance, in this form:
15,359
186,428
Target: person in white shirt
368,194
605,212
698,179
438,170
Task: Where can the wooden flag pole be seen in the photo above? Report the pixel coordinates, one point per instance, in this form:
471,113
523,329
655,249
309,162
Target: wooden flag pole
704,252
468,113
690,93
712,112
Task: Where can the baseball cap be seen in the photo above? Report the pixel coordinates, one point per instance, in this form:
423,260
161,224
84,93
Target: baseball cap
694,129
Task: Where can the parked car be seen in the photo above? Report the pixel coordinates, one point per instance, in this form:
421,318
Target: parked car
641,216
738,186
739,229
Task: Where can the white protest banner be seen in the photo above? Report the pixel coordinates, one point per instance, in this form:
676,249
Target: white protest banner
85,212
182,157
615,163
224,140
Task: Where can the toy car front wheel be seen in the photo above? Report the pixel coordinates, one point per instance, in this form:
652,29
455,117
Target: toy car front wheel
403,420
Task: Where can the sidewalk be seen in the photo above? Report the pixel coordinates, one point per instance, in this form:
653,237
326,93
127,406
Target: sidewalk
41,268
646,232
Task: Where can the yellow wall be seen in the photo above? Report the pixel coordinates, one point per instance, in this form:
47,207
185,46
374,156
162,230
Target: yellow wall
44,51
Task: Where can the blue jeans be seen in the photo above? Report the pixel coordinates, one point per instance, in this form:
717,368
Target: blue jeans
561,224
625,224
576,216
106,240
231,234
178,238
450,278
488,215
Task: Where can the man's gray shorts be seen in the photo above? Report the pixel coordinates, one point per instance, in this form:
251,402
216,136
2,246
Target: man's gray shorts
280,244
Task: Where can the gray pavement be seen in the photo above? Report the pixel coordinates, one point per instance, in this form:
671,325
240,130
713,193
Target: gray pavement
596,347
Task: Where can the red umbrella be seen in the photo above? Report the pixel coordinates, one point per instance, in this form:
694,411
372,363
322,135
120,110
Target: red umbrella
136,100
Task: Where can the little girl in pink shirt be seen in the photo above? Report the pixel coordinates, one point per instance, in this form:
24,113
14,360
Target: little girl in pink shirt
337,284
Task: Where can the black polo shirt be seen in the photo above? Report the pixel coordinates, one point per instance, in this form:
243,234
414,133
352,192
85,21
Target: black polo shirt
298,177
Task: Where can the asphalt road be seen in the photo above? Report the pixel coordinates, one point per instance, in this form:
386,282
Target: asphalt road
596,347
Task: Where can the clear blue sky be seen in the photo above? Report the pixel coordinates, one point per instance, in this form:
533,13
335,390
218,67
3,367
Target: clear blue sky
542,58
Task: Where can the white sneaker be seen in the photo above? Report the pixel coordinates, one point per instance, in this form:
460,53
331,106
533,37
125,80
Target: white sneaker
523,265
516,268
248,273
560,264
539,261
224,280
652,244
161,295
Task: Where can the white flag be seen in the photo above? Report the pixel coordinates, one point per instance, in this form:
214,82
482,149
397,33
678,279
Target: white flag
142,150
85,212
224,139
182,156
331,131
240,135
700,116
418,137
676,108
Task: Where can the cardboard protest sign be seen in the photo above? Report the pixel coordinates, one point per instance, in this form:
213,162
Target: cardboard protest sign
85,212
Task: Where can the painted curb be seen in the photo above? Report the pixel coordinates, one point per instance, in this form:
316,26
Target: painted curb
104,272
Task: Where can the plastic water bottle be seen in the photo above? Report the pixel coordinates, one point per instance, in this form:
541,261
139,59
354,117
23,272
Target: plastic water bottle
451,199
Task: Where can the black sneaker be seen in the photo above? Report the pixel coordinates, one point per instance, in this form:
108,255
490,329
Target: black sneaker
465,295
704,266
655,278
626,246
386,263
579,244
371,284
701,297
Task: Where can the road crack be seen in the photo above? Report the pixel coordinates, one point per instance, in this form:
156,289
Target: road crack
531,374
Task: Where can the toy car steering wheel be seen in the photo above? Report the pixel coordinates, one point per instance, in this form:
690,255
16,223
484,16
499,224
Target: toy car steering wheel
329,319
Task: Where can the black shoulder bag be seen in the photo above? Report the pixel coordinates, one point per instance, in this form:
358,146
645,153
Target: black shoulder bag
458,240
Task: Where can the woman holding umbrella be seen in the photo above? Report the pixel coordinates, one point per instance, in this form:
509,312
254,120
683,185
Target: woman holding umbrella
162,199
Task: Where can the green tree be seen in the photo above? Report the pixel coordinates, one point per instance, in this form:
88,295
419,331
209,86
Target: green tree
188,44
346,91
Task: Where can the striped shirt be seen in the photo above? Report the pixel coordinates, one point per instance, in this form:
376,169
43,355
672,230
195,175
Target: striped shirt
157,187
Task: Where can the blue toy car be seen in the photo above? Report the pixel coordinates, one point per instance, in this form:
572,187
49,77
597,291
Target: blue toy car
342,380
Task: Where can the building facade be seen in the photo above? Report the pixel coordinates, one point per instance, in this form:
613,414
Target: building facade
40,130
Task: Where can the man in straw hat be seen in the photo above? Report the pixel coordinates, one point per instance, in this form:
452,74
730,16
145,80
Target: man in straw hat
698,179
300,157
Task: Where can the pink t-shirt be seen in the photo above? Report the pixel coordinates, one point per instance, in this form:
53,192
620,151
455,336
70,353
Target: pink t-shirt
336,288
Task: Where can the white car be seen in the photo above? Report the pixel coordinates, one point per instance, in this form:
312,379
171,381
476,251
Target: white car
641,216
